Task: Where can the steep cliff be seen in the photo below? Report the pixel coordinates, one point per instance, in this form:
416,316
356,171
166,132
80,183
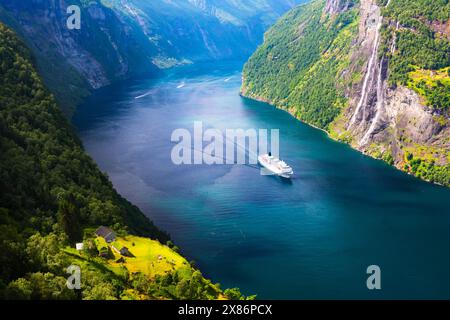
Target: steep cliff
52,195
337,6
375,75
73,62
122,38
390,116
44,171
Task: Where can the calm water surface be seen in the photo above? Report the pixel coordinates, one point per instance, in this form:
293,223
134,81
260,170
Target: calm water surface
311,238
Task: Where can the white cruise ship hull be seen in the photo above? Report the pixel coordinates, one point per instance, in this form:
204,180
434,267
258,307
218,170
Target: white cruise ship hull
274,166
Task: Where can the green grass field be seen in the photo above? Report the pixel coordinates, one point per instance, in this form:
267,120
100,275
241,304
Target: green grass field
150,257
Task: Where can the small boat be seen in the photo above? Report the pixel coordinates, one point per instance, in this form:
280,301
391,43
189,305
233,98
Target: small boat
275,166
181,85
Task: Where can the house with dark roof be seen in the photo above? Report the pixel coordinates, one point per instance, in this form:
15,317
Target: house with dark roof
123,252
106,233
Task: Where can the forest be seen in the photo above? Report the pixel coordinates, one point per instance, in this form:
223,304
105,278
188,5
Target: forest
310,66
51,192
291,70
419,45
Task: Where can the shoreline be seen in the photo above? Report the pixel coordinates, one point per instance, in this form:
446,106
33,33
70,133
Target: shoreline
259,99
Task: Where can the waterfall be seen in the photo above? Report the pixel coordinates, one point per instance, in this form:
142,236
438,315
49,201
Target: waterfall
394,42
372,62
364,92
379,105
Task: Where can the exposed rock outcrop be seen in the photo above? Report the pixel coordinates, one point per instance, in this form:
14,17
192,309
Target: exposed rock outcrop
333,7
123,38
389,120
73,62
354,87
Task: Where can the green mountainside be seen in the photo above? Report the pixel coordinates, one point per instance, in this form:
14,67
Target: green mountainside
421,46
291,70
120,39
74,62
372,73
52,195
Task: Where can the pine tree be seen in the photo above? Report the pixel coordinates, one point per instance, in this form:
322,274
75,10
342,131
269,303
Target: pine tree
69,219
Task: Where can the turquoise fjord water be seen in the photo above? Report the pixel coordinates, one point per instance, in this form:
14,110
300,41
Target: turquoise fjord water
311,238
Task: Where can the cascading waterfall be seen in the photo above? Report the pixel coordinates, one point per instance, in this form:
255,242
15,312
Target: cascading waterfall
364,92
379,105
394,42
372,62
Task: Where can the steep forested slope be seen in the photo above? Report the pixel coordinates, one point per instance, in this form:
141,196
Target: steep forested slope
374,74
43,168
421,30
42,160
119,39
72,62
52,195
299,60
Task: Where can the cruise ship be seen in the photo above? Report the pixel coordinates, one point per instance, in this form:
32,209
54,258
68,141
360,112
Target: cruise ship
275,166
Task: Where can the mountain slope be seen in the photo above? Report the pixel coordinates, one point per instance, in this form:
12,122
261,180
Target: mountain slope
204,29
42,162
120,39
53,195
374,74
73,62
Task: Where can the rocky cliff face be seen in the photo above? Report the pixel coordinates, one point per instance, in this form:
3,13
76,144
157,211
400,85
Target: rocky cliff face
73,62
383,120
122,38
337,6
204,29
350,73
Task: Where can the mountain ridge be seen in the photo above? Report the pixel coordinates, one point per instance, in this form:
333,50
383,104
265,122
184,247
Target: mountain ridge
363,80
121,39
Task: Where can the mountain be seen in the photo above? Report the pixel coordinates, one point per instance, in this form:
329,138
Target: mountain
73,62
52,196
119,39
373,74
204,29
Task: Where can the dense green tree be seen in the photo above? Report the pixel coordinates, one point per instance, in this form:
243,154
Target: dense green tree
40,286
12,256
41,158
233,294
49,188
418,45
69,219
90,249
300,63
